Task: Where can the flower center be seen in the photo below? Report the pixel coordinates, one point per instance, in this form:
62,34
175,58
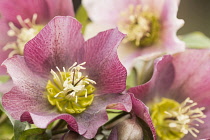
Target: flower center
141,26
173,120
29,29
70,91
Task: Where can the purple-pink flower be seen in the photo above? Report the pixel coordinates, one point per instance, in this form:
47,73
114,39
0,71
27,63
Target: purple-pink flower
178,95
150,25
21,20
61,76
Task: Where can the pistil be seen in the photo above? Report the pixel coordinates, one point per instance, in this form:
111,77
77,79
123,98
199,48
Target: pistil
70,90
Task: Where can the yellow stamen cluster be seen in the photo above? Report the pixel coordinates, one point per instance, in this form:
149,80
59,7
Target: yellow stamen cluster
173,120
70,91
29,29
186,117
141,26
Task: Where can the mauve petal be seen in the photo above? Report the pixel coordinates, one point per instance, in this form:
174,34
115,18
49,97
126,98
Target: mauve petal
95,116
43,119
45,9
183,75
160,82
27,93
107,11
102,62
86,123
192,80
56,45
142,111
10,9
60,8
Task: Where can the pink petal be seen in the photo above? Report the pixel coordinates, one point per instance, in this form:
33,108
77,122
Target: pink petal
60,8
27,93
103,64
95,116
5,87
4,38
170,27
86,123
56,45
183,75
45,9
160,82
107,11
142,111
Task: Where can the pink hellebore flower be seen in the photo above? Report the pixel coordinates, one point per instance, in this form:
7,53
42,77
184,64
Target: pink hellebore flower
150,25
21,20
61,76
178,95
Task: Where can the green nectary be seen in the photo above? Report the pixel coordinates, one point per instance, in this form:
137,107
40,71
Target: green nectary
70,91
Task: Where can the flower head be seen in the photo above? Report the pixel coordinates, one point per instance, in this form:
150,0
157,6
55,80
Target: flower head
177,96
61,76
22,20
150,25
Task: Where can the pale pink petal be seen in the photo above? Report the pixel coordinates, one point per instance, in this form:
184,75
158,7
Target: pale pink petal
170,25
55,45
102,62
5,87
27,93
107,11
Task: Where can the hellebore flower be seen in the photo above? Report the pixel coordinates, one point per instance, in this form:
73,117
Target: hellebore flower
178,95
150,25
21,20
61,76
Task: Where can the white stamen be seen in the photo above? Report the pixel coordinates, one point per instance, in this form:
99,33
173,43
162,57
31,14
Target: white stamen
74,83
186,117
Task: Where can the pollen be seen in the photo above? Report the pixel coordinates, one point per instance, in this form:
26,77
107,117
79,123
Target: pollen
141,26
70,91
28,30
174,120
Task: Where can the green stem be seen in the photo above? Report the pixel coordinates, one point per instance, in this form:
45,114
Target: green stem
59,131
3,118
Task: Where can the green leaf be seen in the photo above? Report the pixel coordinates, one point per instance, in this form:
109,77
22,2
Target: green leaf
112,113
196,40
34,134
82,17
4,79
19,127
